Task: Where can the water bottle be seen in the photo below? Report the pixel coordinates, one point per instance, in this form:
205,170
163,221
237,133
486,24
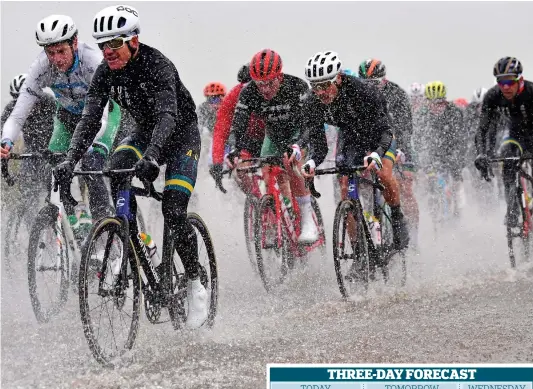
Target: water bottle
375,228
153,255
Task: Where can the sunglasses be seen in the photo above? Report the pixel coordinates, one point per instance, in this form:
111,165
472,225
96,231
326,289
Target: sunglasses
214,99
322,85
115,43
267,83
510,82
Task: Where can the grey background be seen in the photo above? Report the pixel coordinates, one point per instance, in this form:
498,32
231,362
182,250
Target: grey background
456,42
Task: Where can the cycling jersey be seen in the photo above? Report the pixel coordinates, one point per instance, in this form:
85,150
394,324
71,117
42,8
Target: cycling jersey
255,133
38,127
150,88
359,112
281,115
518,112
399,110
69,88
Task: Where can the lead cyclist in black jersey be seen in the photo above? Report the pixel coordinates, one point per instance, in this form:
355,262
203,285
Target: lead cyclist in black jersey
146,83
512,97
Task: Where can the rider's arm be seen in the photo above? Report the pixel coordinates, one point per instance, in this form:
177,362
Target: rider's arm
243,112
223,123
405,120
29,94
314,134
90,123
377,119
489,113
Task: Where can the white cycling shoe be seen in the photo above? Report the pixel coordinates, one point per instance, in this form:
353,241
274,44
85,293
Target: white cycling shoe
197,301
309,232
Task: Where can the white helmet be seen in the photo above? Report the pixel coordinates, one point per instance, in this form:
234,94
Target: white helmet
115,21
323,66
55,29
416,89
478,95
16,84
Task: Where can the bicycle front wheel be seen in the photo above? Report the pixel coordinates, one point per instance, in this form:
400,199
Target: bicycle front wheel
351,249
48,264
109,288
250,207
519,238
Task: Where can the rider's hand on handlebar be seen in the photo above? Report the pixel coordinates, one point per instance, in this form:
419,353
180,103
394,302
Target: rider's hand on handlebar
64,172
232,158
5,148
482,164
147,169
373,161
308,169
293,153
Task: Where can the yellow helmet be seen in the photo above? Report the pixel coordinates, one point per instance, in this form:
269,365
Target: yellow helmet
435,90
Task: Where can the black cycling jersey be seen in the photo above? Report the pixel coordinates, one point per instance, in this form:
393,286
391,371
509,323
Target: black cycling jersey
399,110
282,114
39,125
518,111
359,112
150,88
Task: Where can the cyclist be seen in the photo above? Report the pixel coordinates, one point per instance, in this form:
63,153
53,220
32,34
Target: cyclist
214,93
277,98
146,83
399,110
444,141
359,111
33,175
254,136
512,98
66,66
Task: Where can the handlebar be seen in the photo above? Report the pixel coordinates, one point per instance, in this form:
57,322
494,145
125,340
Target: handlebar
345,171
45,154
147,191
510,159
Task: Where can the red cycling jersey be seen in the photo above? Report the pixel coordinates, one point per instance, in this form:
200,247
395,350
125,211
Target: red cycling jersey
221,132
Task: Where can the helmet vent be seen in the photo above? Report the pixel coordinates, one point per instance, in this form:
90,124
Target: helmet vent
110,23
65,29
42,27
54,24
121,22
95,25
102,19
330,69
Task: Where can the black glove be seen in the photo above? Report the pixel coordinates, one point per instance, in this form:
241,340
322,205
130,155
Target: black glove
64,172
147,169
482,164
216,172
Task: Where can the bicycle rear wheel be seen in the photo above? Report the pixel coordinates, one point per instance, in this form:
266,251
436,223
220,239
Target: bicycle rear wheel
48,264
351,255
106,294
272,251
177,300
11,235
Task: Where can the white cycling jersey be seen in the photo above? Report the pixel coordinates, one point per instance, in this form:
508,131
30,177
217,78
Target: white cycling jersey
69,88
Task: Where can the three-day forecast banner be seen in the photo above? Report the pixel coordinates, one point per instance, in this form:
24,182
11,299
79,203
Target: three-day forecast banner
400,376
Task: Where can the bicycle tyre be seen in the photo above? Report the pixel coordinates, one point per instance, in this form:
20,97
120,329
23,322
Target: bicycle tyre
210,282
321,229
111,225
47,217
267,204
250,207
361,244
11,235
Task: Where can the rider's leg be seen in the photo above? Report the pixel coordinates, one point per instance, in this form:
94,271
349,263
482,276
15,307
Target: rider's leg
510,148
180,178
95,160
392,197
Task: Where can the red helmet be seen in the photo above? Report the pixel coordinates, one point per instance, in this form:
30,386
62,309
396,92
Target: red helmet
461,102
214,89
265,65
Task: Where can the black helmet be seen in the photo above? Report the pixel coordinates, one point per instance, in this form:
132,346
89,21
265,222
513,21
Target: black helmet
244,74
507,66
